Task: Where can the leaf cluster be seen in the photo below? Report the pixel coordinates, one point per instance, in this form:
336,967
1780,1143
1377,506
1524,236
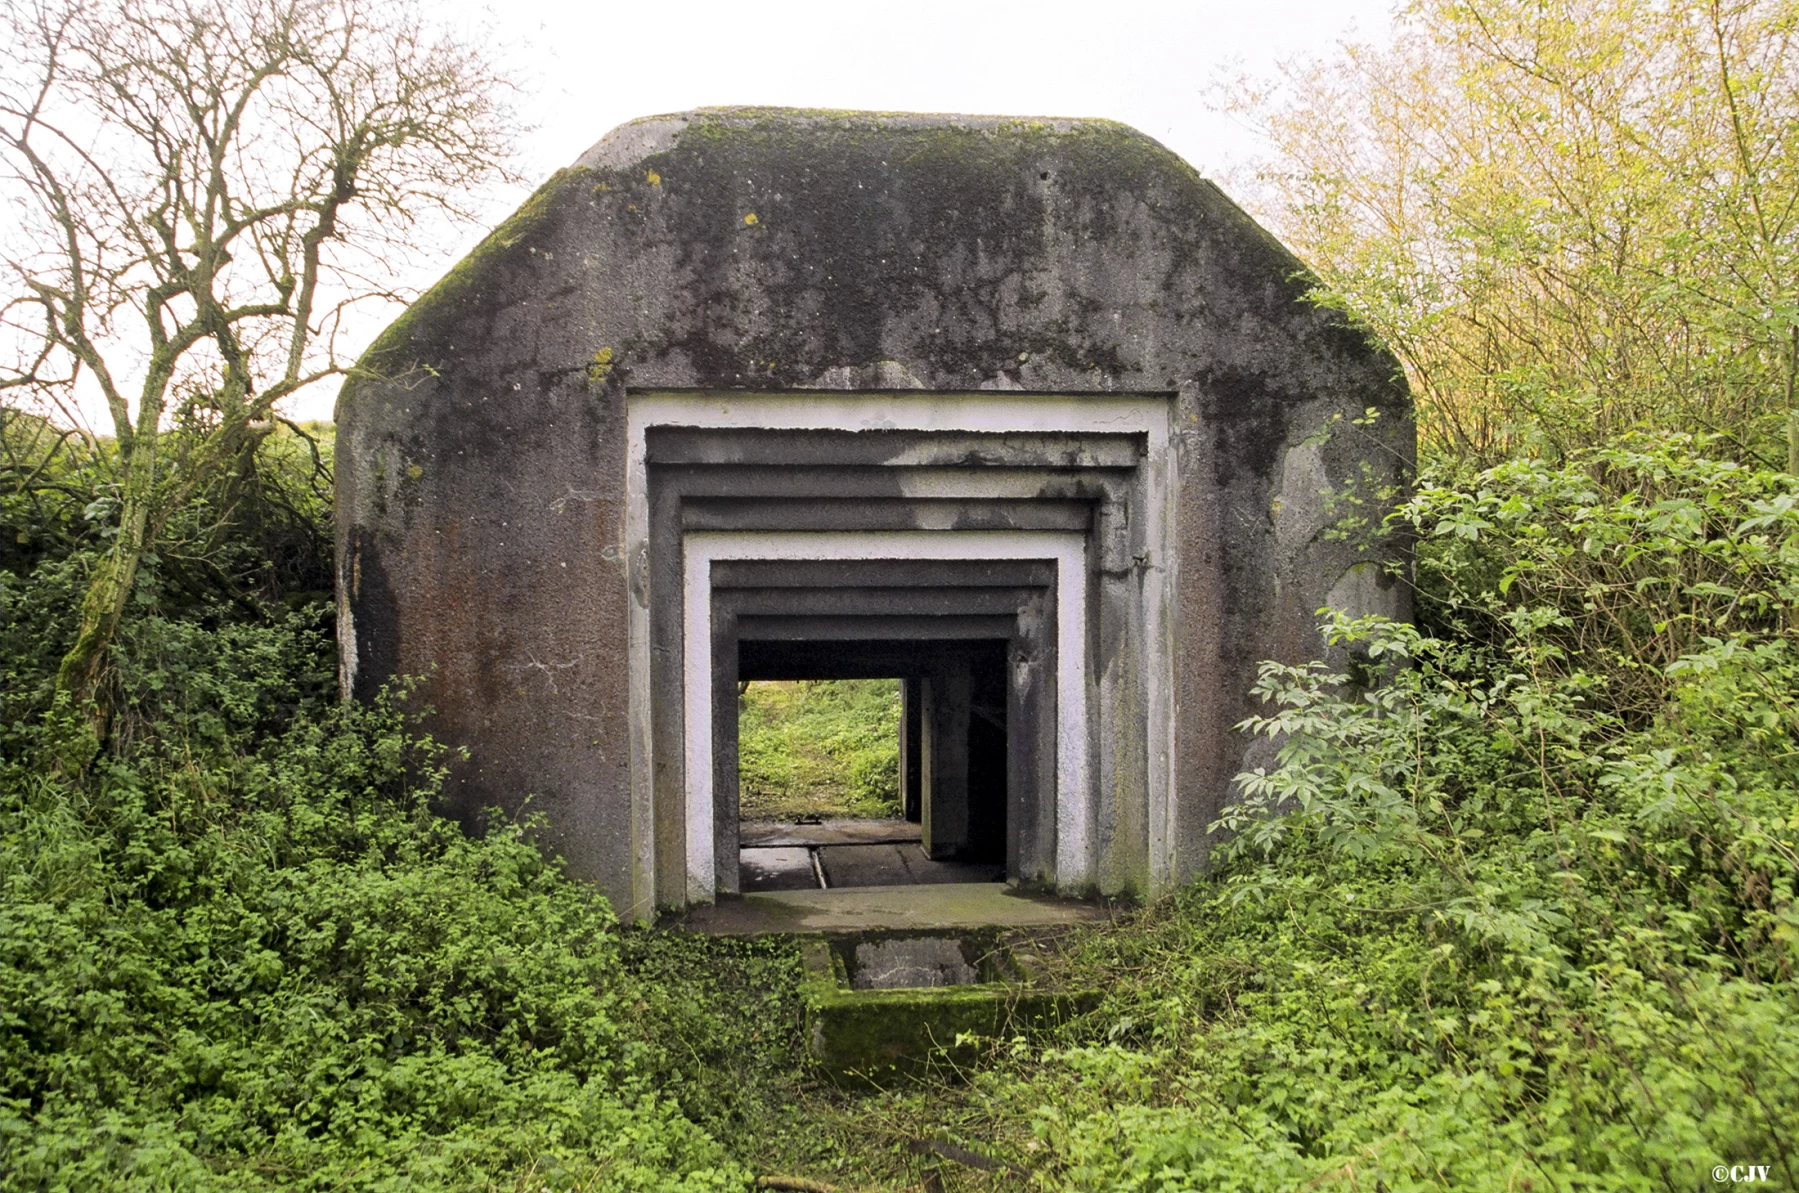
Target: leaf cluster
1569,219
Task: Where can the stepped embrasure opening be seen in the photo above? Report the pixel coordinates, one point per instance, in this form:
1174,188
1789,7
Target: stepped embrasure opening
977,553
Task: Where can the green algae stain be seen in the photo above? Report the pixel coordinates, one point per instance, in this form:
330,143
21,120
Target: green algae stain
462,283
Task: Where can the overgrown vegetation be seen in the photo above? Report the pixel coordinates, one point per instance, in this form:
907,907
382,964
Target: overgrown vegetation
814,748
237,949
1516,908
1516,905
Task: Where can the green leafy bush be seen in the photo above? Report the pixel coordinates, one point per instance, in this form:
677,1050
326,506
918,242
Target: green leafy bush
239,950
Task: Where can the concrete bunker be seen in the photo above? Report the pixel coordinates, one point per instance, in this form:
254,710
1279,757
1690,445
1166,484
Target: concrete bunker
1023,412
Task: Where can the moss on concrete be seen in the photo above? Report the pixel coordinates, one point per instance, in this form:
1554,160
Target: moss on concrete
409,342
765,125
865,195
878,1037
599,368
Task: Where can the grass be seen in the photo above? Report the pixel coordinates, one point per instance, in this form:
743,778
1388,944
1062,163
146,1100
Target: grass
811,749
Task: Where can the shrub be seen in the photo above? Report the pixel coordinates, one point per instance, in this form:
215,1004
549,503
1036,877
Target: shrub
239,950
1515,909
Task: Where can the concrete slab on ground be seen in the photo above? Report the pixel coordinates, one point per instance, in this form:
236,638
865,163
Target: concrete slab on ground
870,908
761,834
864,865
796,867
897,865
778,869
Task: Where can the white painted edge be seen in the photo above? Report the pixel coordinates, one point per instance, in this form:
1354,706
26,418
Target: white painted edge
912,411
1066,549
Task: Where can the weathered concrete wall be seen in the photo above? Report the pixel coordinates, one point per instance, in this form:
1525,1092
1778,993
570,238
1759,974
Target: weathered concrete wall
481,453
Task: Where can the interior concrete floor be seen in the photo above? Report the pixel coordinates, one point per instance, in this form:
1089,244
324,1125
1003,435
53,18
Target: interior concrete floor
899,908
846,853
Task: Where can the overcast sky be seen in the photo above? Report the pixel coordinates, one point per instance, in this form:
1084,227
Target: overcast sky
587,67
590,66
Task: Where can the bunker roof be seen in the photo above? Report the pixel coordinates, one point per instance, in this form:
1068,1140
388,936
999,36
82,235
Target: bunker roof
779,248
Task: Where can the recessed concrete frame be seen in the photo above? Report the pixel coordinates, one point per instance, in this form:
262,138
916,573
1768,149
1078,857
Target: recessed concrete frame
973,643
1023,412
1072,791
825,478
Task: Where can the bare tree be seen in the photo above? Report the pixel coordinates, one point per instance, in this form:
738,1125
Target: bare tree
201,190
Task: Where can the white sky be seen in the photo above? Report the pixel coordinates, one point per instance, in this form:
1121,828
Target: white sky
586,67
1146,62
